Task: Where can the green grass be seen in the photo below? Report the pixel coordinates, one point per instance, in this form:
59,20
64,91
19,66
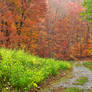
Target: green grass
73,90
19,69
88,65
81,81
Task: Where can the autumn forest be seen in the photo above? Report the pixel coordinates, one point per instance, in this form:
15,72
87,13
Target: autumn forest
44,30
52,31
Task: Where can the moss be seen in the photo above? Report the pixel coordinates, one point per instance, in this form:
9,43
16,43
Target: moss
81,81
88,65
73,90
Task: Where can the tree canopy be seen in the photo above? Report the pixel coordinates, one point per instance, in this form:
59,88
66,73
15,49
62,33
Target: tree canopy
87,14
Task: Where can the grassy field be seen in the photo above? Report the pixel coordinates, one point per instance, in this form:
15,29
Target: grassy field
19,69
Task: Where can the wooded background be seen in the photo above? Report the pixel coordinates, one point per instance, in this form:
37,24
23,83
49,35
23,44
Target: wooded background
43,29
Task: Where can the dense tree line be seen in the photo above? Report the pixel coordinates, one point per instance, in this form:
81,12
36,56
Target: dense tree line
33,26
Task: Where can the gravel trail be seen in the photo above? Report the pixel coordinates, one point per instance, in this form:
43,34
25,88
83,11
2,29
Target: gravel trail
78,71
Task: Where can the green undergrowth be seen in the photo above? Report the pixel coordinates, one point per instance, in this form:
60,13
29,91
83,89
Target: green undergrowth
73,90
19,69
81,81
88,65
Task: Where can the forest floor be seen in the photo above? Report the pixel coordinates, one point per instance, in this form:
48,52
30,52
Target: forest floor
77,80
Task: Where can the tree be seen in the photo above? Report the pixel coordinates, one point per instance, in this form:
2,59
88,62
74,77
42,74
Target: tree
22,25
87,14
62,34
47,32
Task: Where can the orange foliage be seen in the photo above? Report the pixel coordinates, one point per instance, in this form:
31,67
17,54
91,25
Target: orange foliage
30,25
19,24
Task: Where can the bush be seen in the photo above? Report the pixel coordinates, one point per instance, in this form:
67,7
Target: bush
22,70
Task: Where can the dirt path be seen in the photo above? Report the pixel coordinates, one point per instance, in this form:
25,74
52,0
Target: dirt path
78,71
